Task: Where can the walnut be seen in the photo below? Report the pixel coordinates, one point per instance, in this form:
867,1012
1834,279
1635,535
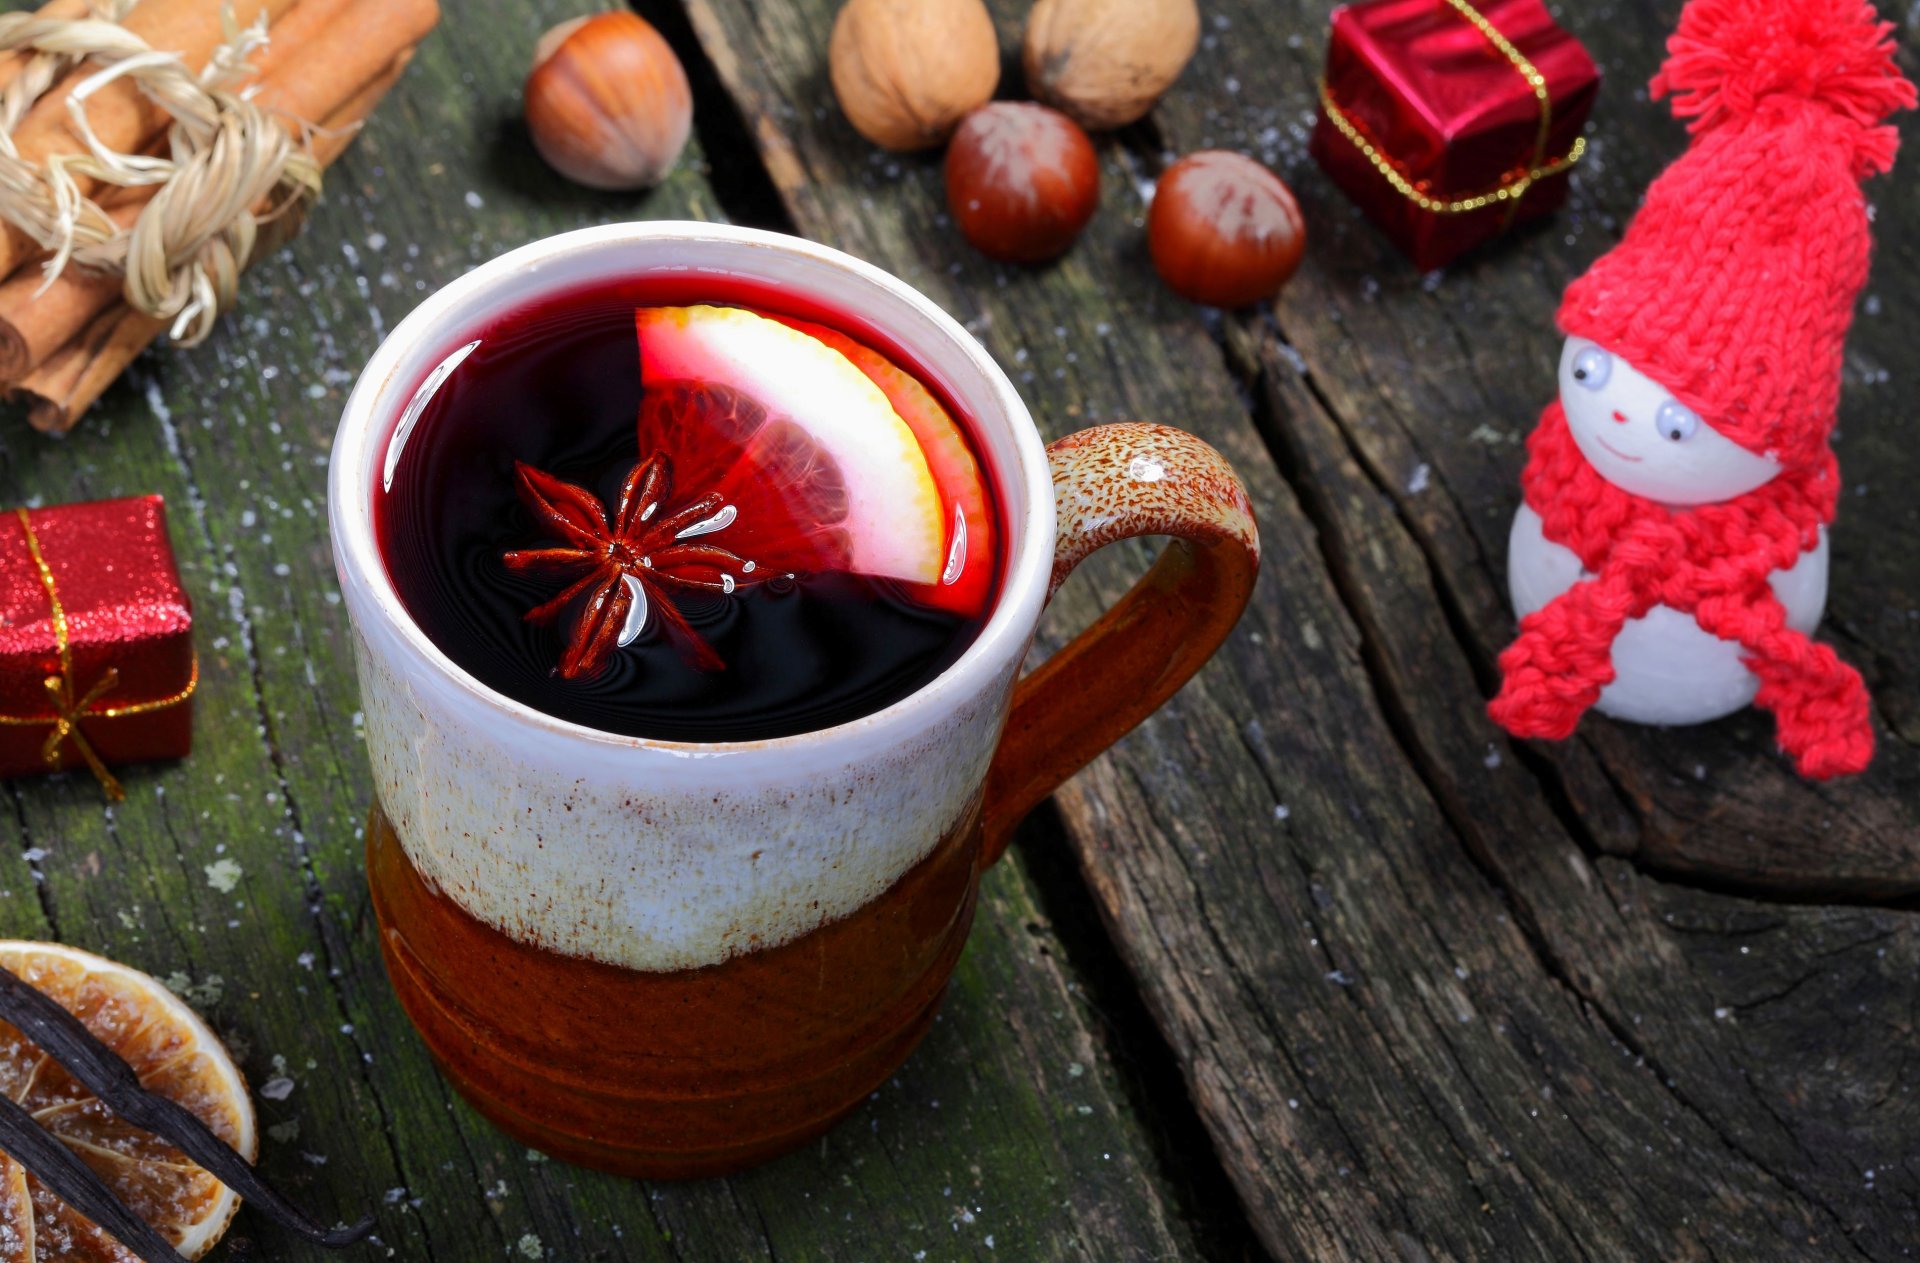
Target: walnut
907,71
1105,62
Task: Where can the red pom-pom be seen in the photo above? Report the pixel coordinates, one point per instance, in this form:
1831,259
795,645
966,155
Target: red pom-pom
1731,56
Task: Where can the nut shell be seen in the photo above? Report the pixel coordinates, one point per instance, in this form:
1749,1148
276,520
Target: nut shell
1022,181
607,102
1105,62
1223,230
907,71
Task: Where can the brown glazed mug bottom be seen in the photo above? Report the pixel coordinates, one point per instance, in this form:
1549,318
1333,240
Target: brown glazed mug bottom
526,829
711,1070
697,1072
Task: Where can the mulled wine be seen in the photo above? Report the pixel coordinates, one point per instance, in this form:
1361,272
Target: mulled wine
758,487
688,513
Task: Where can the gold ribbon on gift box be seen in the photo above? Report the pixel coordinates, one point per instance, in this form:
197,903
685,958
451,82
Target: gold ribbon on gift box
70,704
1511,190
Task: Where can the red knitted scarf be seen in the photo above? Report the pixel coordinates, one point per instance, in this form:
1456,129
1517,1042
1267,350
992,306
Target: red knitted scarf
1712,562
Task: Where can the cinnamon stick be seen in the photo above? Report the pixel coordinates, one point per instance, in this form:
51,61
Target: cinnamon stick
36,323
123,117
306,19
60,391
352,49
332,50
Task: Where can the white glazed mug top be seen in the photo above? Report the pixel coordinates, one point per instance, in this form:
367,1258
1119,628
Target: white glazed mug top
659,854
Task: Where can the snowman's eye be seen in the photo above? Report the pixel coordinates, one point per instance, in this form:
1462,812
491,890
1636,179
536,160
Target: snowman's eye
1676,422
1592,367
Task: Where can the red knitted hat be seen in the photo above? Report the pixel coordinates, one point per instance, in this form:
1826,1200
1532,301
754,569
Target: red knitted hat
1735,283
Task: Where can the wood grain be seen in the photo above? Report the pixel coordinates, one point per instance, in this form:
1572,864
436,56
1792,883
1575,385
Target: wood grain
1394,402
1011,1134
1448,372
1424,994
1420,1008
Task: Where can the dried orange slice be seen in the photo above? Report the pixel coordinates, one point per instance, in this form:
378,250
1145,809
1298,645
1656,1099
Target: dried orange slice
175,1055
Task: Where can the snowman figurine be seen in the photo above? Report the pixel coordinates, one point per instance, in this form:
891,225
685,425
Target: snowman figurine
1667,669
1669,564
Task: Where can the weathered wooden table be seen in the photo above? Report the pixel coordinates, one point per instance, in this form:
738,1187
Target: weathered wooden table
1314,965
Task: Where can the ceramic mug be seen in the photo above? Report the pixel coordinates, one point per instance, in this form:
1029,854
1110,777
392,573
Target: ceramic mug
674,959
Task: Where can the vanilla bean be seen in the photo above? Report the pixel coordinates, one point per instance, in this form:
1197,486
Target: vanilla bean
47,1158
66,1039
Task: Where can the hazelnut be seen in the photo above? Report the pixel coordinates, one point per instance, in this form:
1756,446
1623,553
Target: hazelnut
907,71
1022,181
608,102
1223,230
1105,62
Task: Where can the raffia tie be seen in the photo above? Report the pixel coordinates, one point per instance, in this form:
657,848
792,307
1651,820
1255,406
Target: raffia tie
69,703
1516,185
224,157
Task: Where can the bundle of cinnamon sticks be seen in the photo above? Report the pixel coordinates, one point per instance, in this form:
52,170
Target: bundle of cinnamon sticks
326,64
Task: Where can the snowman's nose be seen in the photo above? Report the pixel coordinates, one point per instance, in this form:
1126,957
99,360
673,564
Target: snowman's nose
1619,416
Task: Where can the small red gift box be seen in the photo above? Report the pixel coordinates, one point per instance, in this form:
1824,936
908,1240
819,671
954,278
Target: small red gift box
96,639
1448,121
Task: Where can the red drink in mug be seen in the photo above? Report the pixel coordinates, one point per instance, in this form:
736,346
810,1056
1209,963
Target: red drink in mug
691,569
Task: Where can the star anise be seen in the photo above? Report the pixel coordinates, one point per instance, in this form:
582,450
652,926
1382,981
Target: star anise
639,555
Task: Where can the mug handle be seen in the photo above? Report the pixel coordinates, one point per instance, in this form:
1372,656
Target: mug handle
1114,482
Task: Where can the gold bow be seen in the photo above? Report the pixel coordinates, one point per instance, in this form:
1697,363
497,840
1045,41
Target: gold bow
1511,192
70,705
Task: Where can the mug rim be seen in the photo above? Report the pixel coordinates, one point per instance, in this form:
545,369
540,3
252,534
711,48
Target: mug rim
363,432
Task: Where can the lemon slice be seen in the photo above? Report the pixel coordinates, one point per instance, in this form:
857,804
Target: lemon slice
175,1055
893,518
966,579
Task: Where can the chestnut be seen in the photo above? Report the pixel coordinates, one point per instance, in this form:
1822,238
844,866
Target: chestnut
608,102
1022,181
1223,230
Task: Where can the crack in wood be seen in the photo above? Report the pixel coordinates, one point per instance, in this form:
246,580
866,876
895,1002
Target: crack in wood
755,1215
740,182
1330,532
1144,1062
35,873
330,952
1348,986
1202,1062
1546,771
661,1229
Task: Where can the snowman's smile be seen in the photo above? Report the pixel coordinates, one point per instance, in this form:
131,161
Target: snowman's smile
1616,451
1616,415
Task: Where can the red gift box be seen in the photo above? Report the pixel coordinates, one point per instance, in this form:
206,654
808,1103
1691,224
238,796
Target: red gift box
1448,122
96,639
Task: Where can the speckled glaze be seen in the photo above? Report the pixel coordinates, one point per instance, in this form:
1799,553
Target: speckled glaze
661,855
1110,483
685,878
1114,482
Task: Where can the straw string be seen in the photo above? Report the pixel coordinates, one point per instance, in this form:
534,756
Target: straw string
224,158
